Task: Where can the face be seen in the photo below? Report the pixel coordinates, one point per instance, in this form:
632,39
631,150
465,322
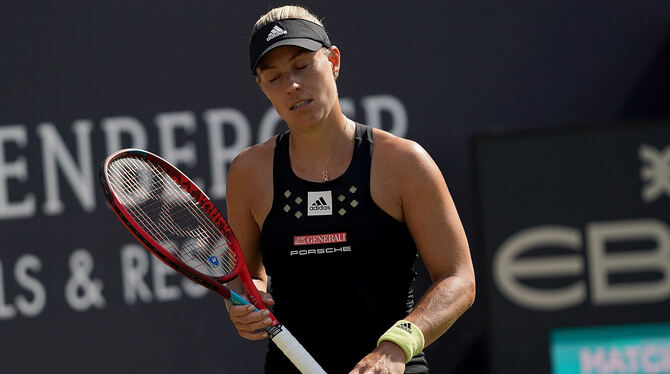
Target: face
300,83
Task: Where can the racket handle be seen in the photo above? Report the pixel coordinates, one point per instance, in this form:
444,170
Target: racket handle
237,299
295,351
287,343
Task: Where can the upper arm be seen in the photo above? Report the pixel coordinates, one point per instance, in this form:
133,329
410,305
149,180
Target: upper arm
240,215
430,214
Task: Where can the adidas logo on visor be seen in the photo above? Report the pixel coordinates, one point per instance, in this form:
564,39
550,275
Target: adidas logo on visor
275,32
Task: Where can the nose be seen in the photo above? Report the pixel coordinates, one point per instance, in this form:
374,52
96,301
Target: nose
293,84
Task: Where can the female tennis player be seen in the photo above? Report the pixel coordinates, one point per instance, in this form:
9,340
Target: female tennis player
334,214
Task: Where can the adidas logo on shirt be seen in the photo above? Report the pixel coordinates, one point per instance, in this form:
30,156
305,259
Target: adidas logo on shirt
275,32
319,203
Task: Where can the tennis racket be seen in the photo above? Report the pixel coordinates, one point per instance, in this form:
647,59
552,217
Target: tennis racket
179,224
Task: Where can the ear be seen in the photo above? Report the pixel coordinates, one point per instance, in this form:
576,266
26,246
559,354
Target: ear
260,84
335,59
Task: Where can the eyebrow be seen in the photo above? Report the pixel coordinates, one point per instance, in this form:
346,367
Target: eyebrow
300,51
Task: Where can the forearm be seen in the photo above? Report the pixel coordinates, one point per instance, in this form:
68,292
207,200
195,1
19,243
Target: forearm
446,300
441,305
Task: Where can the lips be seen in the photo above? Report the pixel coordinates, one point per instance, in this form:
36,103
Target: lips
300,104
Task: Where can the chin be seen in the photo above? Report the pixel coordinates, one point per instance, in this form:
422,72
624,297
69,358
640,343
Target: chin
303,120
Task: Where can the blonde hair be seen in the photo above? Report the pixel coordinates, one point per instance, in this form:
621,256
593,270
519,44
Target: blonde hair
285,12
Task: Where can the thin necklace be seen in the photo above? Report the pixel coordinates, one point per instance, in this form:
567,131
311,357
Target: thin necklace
324,171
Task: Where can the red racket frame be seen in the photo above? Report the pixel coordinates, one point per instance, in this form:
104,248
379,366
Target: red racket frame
215,284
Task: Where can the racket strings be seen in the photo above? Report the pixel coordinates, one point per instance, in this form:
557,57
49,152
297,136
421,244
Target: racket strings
180,217
170,215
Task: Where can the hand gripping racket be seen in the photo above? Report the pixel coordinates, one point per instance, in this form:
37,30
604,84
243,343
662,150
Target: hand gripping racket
177,222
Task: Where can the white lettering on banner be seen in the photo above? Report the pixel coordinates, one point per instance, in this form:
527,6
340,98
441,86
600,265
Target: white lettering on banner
134,267
168,124
508,268
220,154
82,292
162,290
375,105
165,292
29,306
17,169
656,172
160,271
602,263
137,263
114,127
56,156
7,311
648,358
78,169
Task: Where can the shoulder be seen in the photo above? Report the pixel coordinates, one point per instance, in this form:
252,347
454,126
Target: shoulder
255,156
256,152
402,171
406,167
249,186
401,154
252,166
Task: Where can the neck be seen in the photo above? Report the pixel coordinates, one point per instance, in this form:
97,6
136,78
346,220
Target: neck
322,151
316,141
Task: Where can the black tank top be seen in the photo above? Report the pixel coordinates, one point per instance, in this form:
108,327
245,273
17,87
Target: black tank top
342,269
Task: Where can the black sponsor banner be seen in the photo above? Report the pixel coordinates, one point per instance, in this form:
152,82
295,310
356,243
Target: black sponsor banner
80,79
78,294
575,226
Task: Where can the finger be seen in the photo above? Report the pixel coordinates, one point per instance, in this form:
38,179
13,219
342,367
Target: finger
240,310
259,320
244,319
253,335
361,367
266,298
253,331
